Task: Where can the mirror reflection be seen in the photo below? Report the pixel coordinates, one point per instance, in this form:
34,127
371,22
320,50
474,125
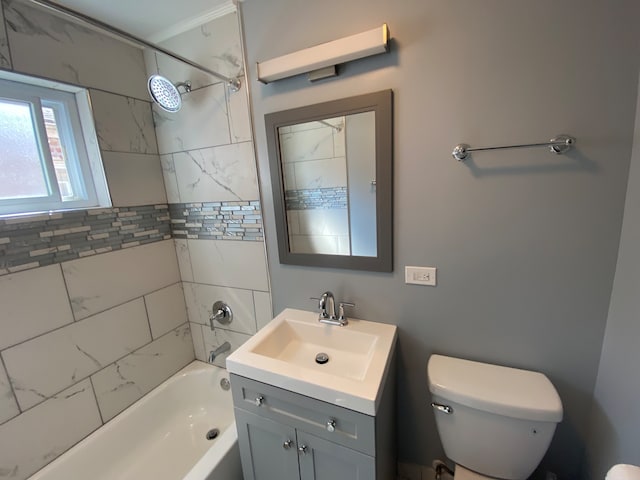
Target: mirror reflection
329,185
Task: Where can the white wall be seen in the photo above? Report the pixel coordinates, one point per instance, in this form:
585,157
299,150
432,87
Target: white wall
615,418
525,242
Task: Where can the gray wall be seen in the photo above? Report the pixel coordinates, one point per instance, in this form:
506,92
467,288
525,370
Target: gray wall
525,242
615,418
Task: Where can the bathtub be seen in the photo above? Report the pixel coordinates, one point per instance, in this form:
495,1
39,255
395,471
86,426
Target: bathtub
162,436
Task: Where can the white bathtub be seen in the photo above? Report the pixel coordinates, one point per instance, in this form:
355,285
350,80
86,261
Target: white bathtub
162,436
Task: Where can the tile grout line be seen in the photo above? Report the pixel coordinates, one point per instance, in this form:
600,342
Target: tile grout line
15,397
146,313
66,288
6,33
95,396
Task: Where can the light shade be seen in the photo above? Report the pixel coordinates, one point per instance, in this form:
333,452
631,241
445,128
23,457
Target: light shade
324,55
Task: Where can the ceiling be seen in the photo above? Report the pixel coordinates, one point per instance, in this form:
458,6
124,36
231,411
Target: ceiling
148,19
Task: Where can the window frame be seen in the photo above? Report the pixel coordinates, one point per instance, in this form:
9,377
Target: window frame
74,121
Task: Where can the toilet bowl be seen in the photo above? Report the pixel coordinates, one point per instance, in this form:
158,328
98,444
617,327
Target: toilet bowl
494,422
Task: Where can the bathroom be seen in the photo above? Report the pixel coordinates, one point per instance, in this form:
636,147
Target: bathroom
534,268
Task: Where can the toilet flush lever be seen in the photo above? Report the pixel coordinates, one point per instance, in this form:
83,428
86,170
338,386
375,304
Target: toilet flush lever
442,408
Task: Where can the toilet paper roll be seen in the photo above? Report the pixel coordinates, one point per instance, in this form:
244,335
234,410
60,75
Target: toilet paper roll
623,472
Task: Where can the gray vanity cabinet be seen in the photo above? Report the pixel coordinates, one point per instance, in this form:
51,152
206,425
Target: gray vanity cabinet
287,436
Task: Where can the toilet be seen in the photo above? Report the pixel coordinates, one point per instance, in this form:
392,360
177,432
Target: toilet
494,422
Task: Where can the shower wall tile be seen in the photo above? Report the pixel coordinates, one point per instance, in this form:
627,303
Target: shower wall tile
213,339
304,145
264,310
127,380
200,299
184,260
5,57
326,173
229,263
170,179
154,267
53,47
198,341
134,179
202,122
33,302
123,124
39,435
239,121
74,352
215,45
8,404
166,309
224,173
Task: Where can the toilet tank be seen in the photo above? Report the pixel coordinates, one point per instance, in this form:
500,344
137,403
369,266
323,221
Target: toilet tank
501,419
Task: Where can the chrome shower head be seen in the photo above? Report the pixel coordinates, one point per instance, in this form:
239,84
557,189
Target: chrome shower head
165,93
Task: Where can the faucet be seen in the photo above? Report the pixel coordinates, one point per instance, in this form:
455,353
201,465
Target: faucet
225,347
327,306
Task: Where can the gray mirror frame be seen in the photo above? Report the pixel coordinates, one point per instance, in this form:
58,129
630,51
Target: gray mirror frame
382,104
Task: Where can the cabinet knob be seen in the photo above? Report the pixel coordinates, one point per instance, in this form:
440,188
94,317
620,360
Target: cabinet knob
303,449
259,401
331,426
287,444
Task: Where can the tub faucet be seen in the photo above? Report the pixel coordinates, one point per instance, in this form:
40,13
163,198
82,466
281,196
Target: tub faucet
225,347
327,306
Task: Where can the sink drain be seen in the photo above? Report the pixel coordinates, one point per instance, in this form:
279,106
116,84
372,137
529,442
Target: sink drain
322,358
213,433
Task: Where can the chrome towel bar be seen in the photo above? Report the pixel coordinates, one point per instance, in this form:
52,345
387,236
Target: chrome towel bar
560,144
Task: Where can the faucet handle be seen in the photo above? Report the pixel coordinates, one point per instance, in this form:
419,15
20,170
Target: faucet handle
341,305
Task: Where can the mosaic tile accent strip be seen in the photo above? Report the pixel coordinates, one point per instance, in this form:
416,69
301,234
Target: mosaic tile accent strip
316,198
217,220
39,240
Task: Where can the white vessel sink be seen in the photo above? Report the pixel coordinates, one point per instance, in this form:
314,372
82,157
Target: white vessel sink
283,354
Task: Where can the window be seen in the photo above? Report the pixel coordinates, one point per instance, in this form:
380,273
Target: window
49,159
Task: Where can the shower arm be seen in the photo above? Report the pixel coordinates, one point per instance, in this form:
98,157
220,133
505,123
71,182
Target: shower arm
233,83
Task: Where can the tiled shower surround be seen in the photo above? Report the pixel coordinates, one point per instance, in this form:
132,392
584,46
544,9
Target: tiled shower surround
316,198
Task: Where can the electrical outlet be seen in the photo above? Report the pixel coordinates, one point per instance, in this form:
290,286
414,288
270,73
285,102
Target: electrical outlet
420,275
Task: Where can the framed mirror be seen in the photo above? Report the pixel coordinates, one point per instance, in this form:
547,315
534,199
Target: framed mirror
331,174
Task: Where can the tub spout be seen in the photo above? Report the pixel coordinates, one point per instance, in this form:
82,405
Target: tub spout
225,347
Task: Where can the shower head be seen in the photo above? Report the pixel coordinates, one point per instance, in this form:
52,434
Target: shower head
165,93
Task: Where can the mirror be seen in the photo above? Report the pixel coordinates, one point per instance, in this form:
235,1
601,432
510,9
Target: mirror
331,174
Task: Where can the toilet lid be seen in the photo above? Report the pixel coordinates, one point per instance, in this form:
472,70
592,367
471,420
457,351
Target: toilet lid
622,472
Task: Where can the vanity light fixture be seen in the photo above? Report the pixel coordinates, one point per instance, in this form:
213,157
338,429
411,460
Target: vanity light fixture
320,61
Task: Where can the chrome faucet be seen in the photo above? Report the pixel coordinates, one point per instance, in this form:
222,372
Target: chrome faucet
225,347
327,306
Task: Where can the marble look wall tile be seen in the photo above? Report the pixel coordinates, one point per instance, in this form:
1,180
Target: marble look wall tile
5,56
123,124
53,47
166,309
8,405
239,121
327,173
124,275
198,341
200,299
215,338
330,221
306,145
134,179
121,384
33,302
39,435
229,263
264,310
328,245
215,45
184,260
202,122
73,352
170,179
225,173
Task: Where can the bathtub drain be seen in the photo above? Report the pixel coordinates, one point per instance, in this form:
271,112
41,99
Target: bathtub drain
213,433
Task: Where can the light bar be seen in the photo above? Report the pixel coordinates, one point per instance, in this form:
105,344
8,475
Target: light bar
325,55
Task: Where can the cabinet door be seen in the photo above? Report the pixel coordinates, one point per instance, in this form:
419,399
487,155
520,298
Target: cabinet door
267,449
323,460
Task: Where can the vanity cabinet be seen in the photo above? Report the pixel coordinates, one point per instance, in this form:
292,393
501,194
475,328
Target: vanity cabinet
287,436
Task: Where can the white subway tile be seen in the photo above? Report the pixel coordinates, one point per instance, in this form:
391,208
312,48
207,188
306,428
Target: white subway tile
134,179
200,299
102,281
121,384
229,263
33,302
166,309
36,437
47,364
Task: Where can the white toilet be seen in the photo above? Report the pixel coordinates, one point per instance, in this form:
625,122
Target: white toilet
494,422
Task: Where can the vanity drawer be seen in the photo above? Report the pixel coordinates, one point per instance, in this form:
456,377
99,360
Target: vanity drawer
352,429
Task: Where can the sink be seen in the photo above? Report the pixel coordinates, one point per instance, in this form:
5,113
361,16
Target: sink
284,352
